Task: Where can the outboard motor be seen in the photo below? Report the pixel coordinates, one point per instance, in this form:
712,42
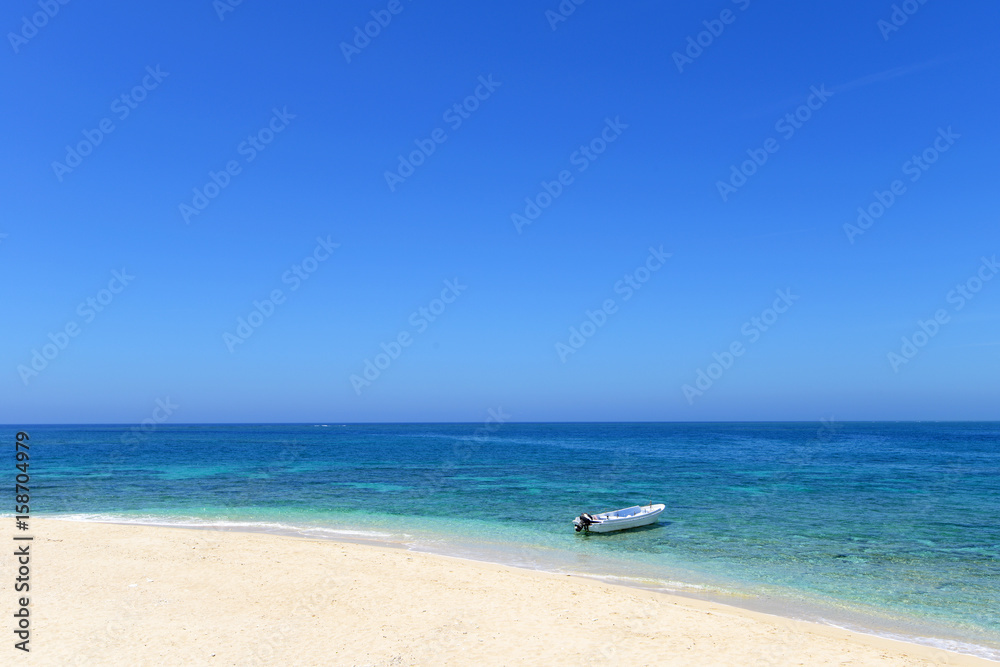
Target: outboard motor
584,522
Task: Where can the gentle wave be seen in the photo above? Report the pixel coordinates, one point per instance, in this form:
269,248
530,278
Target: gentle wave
950,645
199,522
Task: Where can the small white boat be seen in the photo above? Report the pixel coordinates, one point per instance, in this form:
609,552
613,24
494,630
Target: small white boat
630,517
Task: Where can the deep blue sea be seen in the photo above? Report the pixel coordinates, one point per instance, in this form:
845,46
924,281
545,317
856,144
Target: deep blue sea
892,528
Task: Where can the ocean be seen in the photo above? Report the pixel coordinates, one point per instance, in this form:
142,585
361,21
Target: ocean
886,528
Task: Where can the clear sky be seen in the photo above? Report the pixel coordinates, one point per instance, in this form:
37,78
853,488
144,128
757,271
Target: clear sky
507,168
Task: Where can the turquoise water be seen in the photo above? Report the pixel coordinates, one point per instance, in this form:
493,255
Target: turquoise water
889,528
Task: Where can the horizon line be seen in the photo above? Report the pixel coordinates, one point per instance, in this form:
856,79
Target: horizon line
430,423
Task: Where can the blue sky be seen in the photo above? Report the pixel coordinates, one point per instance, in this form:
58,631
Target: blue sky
641,139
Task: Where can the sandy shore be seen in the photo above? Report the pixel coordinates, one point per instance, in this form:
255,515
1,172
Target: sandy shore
135,595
